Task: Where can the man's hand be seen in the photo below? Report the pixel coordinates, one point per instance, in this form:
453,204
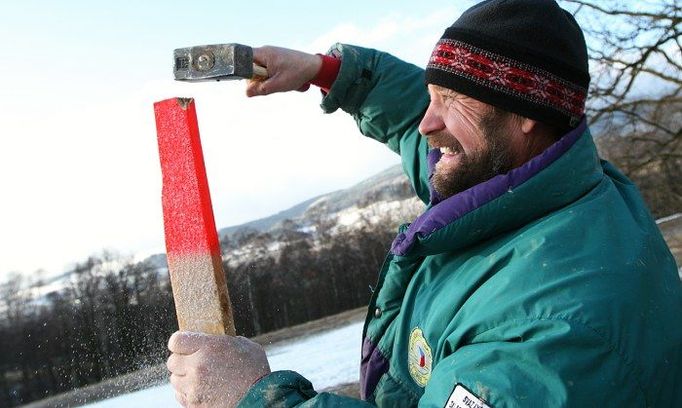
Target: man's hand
213,371
289,70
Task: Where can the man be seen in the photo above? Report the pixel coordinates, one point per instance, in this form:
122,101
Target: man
536,276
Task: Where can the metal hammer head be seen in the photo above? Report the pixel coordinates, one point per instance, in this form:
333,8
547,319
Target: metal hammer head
213,62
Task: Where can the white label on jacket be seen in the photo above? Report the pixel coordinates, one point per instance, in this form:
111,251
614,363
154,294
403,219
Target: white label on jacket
463,398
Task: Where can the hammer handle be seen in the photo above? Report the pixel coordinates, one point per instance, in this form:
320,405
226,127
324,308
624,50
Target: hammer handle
259,72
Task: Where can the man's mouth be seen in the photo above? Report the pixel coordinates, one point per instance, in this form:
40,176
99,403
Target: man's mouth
448,146
450,151
450,155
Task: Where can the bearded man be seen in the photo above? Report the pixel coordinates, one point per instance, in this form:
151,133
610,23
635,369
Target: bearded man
535,277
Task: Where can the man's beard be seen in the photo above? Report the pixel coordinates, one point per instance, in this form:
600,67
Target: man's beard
477,167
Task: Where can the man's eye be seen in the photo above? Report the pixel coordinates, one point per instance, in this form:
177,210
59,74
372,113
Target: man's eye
448,101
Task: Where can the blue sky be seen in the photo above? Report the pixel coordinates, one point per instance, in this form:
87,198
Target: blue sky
79,164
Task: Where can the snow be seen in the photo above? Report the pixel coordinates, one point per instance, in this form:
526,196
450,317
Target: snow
326,359
376,212
159,396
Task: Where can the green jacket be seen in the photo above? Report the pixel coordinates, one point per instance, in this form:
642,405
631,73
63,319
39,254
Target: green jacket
546,286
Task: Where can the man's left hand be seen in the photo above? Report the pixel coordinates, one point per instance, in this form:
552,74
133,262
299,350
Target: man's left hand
213,371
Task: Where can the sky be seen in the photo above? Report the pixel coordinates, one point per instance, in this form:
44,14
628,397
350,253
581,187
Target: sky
79,166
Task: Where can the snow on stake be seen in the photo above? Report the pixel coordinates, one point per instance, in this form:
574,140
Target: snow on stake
202,303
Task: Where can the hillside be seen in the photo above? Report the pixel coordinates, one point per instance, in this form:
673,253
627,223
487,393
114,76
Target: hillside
388,186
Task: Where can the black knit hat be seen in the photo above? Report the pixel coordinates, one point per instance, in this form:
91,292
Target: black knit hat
524,56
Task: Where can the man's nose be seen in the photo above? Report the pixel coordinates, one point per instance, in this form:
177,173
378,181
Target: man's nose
431,122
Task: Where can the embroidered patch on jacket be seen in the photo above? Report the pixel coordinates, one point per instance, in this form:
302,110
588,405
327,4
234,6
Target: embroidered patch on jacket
463,398
419,358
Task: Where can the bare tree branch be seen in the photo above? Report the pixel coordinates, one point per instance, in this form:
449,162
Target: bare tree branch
621,12
635,95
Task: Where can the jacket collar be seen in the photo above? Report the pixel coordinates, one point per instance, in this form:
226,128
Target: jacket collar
551,180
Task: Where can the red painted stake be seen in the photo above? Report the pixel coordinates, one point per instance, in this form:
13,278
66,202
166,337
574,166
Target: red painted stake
202,303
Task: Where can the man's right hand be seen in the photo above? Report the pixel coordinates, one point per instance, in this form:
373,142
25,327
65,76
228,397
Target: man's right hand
288,70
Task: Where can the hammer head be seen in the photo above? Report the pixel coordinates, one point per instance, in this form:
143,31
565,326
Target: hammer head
213,62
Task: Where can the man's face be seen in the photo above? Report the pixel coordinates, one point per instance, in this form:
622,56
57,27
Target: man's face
474,139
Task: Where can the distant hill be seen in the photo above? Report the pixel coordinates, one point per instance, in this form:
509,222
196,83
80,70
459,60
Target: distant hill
388,190
264,224
386,186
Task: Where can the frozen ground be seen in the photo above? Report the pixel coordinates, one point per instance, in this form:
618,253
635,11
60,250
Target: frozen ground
328,358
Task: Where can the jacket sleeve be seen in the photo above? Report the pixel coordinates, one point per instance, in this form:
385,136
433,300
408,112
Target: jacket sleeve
544,363
387,97
290,389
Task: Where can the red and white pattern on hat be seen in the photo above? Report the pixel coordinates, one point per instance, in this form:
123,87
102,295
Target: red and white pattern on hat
509,76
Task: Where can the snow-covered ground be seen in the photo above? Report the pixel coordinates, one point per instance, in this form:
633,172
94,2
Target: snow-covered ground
326,359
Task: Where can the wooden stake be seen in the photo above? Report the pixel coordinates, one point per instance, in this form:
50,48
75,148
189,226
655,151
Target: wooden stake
202,303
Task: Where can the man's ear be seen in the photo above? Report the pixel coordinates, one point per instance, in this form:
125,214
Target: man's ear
528,126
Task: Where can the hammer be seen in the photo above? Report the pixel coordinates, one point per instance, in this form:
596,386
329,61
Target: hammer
215,63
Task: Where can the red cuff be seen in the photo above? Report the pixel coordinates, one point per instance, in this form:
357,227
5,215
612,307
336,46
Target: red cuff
259,378
328,72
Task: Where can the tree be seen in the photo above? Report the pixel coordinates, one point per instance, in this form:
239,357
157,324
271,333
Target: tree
635,96
14,302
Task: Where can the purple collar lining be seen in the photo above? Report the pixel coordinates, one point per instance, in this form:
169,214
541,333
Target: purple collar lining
451,209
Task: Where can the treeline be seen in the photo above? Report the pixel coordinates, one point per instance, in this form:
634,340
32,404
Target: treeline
649,155
115,317
305,279
111,319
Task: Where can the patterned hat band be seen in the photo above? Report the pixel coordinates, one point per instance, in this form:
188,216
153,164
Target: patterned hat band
494,78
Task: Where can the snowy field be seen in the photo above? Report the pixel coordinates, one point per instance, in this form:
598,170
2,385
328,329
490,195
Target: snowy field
326,359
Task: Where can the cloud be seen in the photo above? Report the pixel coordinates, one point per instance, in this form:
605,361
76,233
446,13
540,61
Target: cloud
408,37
